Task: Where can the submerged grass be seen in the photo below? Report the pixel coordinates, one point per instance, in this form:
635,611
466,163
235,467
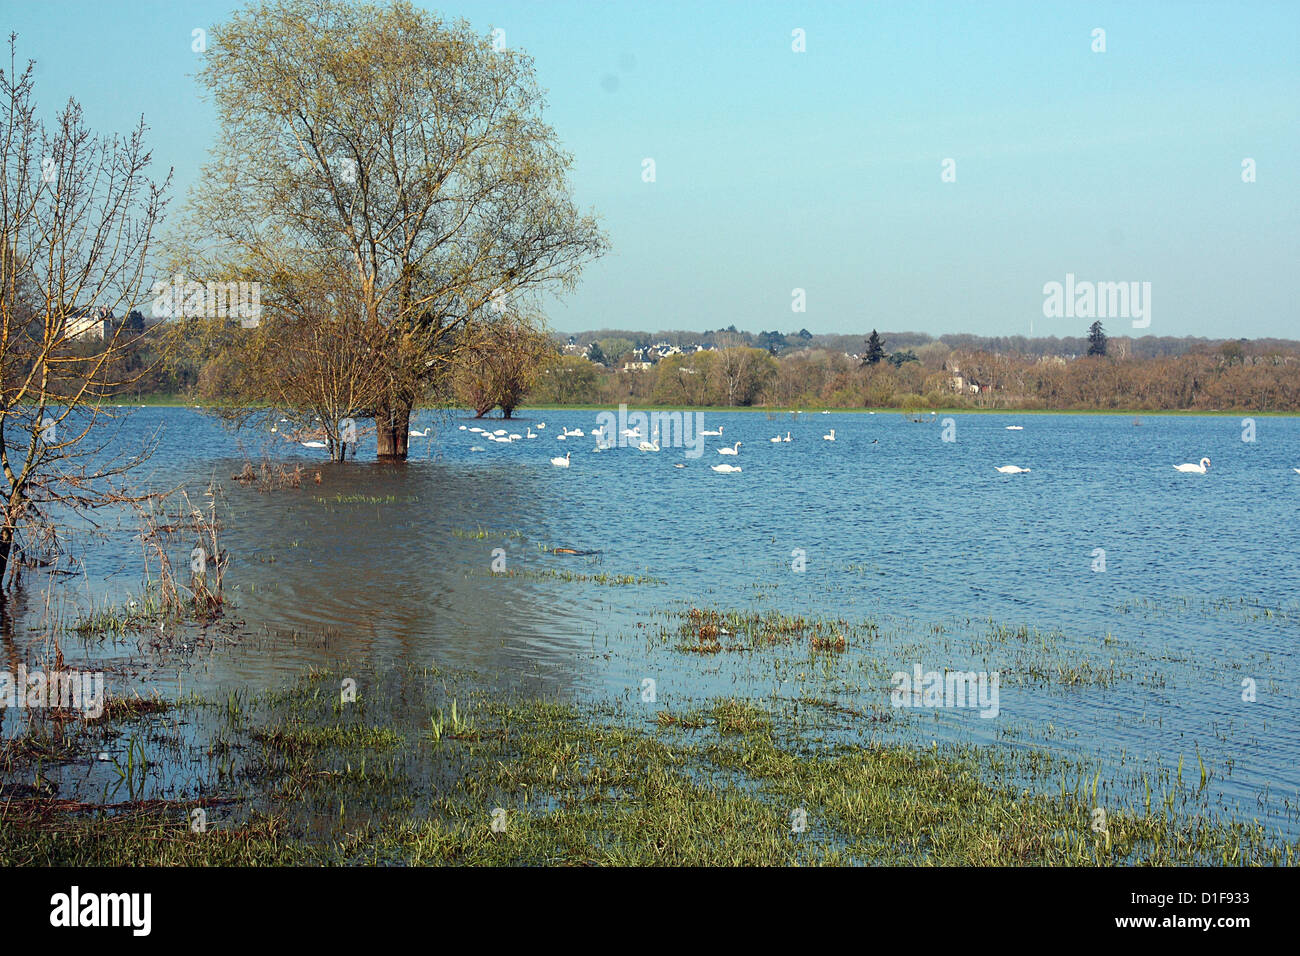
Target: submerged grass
402,775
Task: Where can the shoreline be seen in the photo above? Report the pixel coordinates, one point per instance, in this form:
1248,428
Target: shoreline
175,402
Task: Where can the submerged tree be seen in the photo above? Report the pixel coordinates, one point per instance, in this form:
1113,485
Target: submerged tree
409,148
77,215
498,365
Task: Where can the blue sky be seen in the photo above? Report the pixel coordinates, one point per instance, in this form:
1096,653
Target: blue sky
821,170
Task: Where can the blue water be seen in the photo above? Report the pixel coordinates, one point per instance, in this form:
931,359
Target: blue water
919,535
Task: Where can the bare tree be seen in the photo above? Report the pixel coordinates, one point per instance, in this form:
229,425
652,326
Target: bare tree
77,216
499,364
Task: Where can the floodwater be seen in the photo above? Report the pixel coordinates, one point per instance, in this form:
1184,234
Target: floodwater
1179,588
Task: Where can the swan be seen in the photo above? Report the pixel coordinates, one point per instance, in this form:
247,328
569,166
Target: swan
515,436
477,448
1296,470
561,462
499,431
1015,428
314,444
1198,469
650,446
577,433
541,425
830,437
717,433
775,440
787,437
680,465
726,469
531,434
733,450
636,433
414,434
462,427
1013,470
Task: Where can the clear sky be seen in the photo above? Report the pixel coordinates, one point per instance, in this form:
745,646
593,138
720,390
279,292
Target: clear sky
821,170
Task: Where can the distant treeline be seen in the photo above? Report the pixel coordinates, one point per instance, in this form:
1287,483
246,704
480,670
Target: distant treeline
777,343
1161,374
913,371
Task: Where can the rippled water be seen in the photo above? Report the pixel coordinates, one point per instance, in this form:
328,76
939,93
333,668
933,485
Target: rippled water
899,527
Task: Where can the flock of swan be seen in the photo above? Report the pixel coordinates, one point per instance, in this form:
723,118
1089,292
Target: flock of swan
605,442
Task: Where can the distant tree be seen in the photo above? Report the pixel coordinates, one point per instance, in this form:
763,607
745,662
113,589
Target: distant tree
875,349
1096,339
805,334
1233,353
898,358
615,349
596,355
774,342
499,365
567,380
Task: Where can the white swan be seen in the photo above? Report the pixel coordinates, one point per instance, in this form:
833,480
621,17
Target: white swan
775,440
830,437
314,444
717,433
476,448
726,469
650,446
561,437
462,427
414,434
787,437
733,450
1198,469
561,462
499,431
541,425
1013,470
531,434
1015,428
1296,470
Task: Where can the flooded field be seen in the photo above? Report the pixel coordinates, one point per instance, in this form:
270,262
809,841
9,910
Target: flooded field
1129,631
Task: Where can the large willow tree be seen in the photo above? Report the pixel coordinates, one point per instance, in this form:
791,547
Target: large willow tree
402,155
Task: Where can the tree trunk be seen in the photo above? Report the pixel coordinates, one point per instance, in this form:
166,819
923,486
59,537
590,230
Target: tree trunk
391,427
6,552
